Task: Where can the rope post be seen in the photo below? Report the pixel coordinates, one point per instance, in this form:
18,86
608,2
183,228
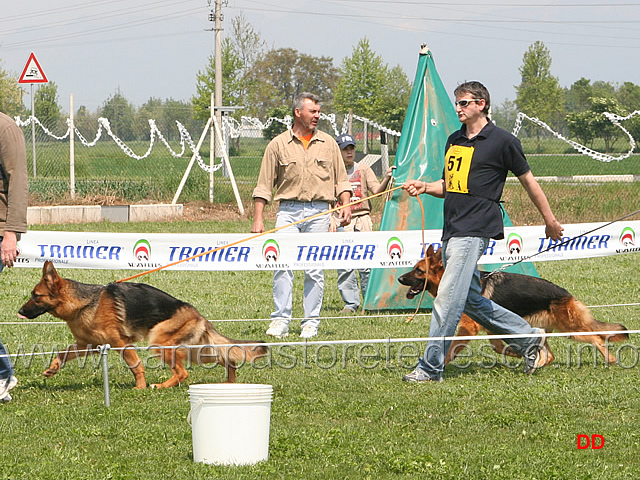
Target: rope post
104,354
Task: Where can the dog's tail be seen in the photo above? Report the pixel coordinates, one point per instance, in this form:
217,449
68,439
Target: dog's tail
598,326
236,354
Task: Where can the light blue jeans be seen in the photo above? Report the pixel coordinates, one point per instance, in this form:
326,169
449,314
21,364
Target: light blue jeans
6,370
348,279
291,211
461,291
348,286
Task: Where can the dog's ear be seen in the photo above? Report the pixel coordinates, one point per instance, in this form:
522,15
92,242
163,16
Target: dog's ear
430,251
50,276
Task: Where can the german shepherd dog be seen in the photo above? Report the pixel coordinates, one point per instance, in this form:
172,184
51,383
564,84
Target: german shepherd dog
120,314
541,303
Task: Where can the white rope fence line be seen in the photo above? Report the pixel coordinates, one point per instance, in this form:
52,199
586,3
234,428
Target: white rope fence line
380,340
341,317
363,341
104,350
602,157
103,123
232,127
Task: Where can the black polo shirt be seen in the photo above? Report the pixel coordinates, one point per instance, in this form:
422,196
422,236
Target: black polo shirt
475,171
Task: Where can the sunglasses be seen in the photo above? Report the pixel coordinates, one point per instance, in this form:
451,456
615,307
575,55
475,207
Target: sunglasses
464,103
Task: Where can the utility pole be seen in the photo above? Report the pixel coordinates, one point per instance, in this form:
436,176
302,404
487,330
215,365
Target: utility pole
216,16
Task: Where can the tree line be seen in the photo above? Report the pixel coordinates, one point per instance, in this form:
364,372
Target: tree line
576,112
264,81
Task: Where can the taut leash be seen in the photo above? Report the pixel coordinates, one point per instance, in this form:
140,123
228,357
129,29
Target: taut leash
564,242
273,230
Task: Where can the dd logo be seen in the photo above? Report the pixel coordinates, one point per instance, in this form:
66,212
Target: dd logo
596,442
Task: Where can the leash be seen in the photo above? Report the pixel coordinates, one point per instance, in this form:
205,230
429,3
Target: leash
273,230
564,242
424,288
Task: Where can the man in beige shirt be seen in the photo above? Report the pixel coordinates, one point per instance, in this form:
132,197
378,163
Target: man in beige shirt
305,167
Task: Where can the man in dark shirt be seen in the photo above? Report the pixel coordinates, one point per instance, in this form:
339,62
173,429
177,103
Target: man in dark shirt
477,160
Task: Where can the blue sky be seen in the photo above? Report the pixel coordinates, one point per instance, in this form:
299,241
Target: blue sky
154,48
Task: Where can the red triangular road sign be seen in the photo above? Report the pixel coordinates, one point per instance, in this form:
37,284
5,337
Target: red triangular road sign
33,72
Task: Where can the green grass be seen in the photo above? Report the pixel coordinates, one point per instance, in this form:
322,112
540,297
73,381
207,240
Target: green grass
574,203
569,165
335,414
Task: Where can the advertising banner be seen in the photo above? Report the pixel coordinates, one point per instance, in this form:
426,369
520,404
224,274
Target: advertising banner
278,251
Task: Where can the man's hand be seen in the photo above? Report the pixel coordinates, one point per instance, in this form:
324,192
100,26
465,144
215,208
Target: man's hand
345,213
9,249
554,230
258,209
414,187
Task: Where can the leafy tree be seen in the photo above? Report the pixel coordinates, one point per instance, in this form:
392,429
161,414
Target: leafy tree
581,126
10,94
505,115
578,95
628,95
249,47
46,106
395,98
281,74
371,89
179,111
151,109
607,130
232,84
592,124
239,53
120,113
362,85
86,122
539,93
276,128
603,89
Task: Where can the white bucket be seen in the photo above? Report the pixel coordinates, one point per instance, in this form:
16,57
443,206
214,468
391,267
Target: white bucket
230,422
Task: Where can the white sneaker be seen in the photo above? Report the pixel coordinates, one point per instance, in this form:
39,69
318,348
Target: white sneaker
279,328
309,330
7,384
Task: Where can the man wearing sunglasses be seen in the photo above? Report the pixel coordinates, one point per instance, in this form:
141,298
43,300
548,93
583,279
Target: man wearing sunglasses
477,160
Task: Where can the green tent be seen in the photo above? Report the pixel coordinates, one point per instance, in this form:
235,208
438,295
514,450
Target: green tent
430,119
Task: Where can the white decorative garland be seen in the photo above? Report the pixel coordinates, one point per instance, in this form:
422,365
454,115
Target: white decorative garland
231,125
602,157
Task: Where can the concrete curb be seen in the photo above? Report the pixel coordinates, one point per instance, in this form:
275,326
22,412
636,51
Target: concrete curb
98,213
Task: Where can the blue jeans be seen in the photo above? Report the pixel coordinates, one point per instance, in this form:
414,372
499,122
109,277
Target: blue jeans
348,279
6,370
348,286
348,283
291,211
461,291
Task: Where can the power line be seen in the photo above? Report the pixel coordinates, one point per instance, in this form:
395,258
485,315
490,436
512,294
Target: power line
96,31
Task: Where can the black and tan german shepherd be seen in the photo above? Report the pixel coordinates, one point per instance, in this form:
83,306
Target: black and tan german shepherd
541,303
121,314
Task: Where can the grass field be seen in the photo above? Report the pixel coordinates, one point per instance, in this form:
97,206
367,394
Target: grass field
337,413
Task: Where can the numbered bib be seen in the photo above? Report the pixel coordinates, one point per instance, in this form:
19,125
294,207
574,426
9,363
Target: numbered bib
457,166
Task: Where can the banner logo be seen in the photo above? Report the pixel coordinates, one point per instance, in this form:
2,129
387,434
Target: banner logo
395,249
271,251
628,237
514,244
142,250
